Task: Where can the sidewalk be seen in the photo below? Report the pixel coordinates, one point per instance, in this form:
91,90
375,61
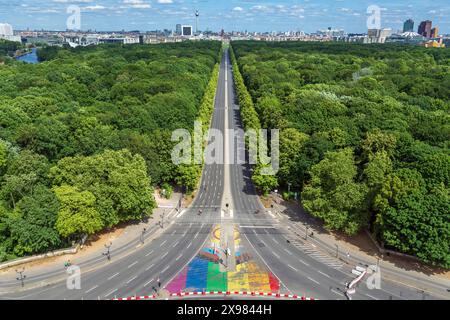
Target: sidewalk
123,239
359,249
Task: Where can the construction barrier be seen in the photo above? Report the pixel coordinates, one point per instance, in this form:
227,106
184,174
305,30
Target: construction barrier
220,293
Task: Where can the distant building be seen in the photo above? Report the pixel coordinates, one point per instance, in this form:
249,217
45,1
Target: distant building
408,26
378,35
7,33
425,28
6,29
186,31
178,30
125,40
434,44
434,32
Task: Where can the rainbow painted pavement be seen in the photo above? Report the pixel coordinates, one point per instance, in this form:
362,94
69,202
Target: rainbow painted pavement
204,273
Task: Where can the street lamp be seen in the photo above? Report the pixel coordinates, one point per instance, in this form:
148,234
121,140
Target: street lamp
21,276
142,235
108,252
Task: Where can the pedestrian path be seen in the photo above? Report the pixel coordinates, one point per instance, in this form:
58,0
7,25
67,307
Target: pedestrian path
314,252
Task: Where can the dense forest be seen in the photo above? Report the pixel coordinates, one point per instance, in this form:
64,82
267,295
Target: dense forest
86,135
364,136
8,48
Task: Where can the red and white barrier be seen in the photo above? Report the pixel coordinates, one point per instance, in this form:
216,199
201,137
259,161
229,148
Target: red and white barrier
221,293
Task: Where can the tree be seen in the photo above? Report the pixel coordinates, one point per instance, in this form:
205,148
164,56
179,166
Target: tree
265,183
31,225
292,143
117,179
334,195
77,214
412,219
187,176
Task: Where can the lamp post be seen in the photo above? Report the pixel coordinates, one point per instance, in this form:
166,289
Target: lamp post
108,251
143,234
21,276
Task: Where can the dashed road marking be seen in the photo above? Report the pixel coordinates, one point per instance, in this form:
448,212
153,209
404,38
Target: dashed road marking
292,267
134,278
107,295
147,283
91,289
133,264
113,276
322,273
372,297
311,279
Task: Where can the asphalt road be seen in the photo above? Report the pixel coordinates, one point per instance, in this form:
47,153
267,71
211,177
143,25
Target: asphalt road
301,268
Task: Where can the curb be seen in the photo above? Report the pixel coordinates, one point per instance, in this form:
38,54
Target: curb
220,293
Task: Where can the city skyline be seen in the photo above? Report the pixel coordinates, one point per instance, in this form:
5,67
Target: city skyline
260,16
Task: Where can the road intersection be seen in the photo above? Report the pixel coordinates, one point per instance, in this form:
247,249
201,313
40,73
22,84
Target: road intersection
227,199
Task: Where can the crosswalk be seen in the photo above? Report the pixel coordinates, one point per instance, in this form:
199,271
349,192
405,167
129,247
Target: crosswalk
314,253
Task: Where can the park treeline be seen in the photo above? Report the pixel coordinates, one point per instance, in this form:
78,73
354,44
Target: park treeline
86,135
364,136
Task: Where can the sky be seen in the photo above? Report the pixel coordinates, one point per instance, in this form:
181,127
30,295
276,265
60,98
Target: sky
250,15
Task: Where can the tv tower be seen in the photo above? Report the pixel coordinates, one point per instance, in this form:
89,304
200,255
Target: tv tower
197,14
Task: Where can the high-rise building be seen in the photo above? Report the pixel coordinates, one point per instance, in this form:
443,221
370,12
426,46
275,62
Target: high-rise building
186,31
425,28
6,29
178,29
434,32
408,26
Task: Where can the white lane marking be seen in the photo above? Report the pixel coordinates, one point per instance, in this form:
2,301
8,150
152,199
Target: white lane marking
174,231
165,269
196,235
288,251
292,267
300,260
311,279
148,282
275,240
179,257
149,267
278,257
91,289
337,292
190,244
163,243
324,274
133,264
113,276
164,255
176,243
107,295
149,253
131,279
372,297
181,213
